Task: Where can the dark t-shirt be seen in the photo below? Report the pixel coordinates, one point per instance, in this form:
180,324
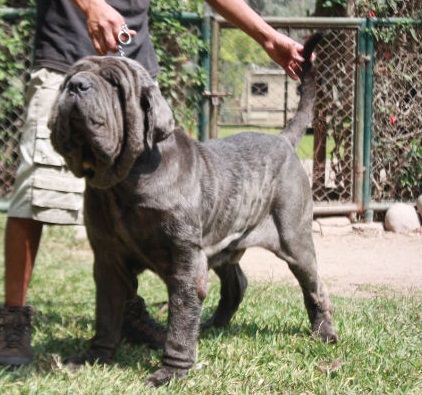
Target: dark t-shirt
62,37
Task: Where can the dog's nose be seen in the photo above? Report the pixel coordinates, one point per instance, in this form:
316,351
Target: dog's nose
79,84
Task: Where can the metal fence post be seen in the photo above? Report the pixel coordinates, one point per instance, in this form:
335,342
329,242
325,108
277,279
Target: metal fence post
204,112
369,214
359,167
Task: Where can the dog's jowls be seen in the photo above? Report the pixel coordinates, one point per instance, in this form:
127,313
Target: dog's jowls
157,199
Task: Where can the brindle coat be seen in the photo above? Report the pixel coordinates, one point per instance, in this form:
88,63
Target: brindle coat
157,199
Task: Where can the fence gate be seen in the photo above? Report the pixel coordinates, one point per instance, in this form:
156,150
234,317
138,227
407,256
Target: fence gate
255,94
364,150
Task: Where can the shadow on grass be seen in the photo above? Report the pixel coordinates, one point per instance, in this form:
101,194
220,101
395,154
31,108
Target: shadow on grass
251,329
60,333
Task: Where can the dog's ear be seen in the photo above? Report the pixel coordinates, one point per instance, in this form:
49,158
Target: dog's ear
159,121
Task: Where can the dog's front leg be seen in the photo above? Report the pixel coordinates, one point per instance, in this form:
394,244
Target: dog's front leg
187,288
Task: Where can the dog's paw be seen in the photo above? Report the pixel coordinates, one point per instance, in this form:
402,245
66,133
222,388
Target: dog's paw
323,329
164,375
75,362
327,336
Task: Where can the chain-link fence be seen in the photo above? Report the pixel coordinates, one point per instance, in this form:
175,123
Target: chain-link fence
16,32
396,145
248,91
261,97
350,76
180,48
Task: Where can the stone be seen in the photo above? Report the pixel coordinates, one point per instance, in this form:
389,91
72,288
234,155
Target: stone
316,228
369,229
334,226
419,205
337,222
401,218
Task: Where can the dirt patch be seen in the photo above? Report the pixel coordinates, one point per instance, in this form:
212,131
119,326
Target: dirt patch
353,264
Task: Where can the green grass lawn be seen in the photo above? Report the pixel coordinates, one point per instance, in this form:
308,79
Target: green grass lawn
266,350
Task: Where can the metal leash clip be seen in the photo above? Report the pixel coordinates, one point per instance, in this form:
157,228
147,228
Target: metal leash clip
124,38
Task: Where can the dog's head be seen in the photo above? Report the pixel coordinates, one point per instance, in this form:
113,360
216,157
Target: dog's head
109,110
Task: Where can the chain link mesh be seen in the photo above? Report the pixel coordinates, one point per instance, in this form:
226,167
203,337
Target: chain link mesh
262,96
333,164
15,50
397,116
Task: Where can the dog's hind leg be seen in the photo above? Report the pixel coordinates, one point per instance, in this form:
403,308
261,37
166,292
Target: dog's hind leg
300,257
293,220
298,251
233,287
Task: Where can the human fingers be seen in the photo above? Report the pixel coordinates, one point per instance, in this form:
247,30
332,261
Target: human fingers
294,71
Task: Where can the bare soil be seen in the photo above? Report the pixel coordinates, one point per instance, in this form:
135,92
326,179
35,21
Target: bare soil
356,264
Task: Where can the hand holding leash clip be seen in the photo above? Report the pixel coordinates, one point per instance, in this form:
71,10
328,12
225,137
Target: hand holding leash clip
124,38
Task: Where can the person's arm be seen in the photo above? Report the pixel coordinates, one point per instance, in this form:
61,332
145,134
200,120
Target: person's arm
103,23
281,48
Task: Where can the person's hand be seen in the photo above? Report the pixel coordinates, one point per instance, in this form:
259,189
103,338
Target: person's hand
286,52
104,24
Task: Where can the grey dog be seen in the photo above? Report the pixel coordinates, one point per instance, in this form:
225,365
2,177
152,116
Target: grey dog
157,199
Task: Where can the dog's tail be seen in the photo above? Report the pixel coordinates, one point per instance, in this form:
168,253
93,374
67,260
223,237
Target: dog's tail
296,127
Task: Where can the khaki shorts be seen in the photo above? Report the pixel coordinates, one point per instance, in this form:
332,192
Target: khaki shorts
45,190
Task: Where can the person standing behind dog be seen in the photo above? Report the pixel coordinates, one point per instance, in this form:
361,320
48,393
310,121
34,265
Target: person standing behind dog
45,191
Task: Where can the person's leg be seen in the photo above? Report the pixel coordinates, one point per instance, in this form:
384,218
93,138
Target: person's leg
21,245
22,235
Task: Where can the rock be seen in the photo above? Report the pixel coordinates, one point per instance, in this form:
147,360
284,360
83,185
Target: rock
369,229
337,222
401,218
334,226
419,205
316,228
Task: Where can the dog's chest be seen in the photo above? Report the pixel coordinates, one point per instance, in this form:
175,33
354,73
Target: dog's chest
139,236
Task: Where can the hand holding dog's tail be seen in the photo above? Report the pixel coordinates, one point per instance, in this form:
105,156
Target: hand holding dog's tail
308,49
296,127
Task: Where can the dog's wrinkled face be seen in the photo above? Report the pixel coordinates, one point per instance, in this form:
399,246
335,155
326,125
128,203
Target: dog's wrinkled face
108,112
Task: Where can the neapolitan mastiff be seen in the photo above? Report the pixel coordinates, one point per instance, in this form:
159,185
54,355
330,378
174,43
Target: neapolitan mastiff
157,199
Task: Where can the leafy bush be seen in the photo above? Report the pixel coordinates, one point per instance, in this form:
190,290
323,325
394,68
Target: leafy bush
14,60
179,48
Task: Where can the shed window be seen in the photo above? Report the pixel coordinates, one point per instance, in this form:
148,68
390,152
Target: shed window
259,89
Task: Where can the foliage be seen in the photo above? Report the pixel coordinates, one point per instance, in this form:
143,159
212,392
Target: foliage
179,48
282,7
332,3
267,348
390,33
410,173
238,54
389,8
374,8
14,54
